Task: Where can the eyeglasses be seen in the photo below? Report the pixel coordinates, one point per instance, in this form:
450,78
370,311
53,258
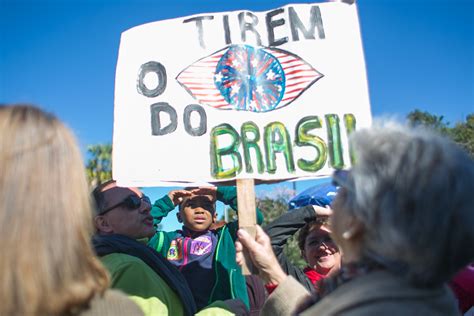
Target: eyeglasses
324,240
342,178
320,240
132,202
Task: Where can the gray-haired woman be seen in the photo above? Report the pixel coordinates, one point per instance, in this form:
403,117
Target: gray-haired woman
403,218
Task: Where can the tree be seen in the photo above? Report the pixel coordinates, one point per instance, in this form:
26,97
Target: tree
99,164
462,133
273,206
426,119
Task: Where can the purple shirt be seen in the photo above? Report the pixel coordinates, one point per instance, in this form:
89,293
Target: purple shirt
193,253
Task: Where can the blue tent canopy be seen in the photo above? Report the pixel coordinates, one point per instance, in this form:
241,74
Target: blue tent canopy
320,194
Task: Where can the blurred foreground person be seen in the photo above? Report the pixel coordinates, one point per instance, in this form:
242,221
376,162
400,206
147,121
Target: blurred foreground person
403,219
47,266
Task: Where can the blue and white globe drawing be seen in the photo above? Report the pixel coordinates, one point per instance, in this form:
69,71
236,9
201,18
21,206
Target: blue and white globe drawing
250,79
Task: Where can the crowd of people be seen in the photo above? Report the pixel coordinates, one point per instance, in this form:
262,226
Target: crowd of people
397,238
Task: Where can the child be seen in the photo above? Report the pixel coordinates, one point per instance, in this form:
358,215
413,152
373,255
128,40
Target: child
204,255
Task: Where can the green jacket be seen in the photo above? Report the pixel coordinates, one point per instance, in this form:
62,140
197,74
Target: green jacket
148,290
230,283
137,279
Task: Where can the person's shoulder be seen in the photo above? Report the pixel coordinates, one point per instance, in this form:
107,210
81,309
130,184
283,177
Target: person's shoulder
121,263
381,292
389,307
115,296
225,228
120,259
112,302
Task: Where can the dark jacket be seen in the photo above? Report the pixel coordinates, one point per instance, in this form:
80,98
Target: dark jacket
285,227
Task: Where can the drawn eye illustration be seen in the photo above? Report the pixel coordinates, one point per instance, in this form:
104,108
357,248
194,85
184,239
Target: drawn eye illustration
245,78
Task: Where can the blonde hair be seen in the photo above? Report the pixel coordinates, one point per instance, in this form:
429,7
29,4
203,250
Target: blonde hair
47,266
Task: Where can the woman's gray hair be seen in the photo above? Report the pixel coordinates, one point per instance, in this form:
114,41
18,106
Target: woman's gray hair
413,191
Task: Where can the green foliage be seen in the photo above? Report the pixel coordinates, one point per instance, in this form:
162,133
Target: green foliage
462,133
99,164
272,207
426,119
232,215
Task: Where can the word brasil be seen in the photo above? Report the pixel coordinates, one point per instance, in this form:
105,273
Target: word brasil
276,140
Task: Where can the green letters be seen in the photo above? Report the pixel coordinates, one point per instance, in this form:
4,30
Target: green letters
304,139
334,141
350,123
247,143
228,147
277,140
217,165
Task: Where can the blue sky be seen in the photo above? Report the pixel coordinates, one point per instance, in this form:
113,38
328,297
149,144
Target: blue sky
62,55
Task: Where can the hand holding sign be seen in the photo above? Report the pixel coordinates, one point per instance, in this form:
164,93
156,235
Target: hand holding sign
261,255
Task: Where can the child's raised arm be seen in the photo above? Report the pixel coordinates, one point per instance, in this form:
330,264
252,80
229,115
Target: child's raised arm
167,203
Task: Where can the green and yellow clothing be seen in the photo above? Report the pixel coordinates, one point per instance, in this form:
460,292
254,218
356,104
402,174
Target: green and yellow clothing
228,281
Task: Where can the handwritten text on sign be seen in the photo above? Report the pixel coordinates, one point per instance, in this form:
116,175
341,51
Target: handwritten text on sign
213,97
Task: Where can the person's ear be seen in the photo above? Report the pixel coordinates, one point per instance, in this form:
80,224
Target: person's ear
214,217
102,225
354,229
178,216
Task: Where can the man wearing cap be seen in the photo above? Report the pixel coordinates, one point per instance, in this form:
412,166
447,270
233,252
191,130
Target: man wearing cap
204,254
123,225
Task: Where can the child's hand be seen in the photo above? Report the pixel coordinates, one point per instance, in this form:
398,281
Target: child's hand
176,196
208,191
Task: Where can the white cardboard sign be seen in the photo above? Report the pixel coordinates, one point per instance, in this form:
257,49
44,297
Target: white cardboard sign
222,96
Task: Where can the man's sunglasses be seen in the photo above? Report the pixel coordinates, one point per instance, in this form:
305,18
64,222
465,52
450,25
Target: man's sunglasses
132,202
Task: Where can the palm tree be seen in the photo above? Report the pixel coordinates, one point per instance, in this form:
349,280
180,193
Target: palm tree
99,164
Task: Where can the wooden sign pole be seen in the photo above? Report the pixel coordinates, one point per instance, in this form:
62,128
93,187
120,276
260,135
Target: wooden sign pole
247,216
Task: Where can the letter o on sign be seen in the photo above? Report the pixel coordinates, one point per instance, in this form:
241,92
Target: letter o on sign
159,69
199,130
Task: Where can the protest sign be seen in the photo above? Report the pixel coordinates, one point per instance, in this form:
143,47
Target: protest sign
239,95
